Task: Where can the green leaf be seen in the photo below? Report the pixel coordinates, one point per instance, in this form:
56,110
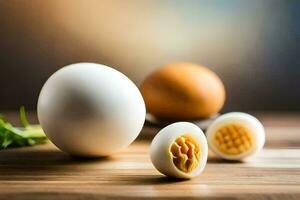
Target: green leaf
27,135
23,117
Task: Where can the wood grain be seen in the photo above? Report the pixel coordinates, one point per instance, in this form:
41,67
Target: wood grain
44,172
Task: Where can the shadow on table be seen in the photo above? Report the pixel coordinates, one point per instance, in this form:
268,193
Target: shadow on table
49,157
52,164
42,162
214,159
154,180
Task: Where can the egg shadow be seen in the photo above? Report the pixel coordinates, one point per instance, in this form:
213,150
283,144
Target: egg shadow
154,180
23,163
217,160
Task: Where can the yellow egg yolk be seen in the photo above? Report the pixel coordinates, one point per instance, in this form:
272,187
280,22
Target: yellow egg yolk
233,139
185,152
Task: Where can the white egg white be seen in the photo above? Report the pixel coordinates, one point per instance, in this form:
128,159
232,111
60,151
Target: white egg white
246,120
161,144
88,109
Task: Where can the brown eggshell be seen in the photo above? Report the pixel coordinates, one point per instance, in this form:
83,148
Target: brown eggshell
183,91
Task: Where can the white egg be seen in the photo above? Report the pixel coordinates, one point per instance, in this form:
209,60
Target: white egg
89,109
179,150
235,136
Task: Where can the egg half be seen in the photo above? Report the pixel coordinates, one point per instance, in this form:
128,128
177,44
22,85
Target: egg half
179,150
89,109
236,136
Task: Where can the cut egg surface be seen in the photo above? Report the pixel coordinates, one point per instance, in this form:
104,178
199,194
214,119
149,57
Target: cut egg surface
236,136
179,150
185,152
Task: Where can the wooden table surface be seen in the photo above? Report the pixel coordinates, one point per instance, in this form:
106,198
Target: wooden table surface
44,172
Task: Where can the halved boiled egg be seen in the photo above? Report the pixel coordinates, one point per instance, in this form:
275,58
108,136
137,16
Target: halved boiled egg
236,136
179,150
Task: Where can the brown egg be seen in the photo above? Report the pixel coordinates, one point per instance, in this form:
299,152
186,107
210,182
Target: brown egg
183,91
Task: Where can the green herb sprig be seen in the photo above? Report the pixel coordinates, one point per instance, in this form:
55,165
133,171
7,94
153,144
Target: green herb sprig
27,135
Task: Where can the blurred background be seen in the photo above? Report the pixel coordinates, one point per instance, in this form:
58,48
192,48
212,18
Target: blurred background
254,46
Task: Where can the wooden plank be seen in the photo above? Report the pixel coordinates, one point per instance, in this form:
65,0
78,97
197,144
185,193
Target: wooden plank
44,172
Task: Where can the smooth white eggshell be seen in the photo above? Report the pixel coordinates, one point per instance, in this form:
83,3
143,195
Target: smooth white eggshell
244,119
89,109
160,148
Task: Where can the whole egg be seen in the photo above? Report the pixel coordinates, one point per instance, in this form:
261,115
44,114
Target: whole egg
89,109
183,91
